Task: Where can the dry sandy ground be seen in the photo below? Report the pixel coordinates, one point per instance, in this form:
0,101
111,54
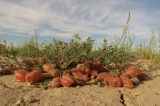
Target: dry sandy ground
14,93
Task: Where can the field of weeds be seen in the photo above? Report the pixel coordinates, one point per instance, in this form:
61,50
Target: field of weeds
116,63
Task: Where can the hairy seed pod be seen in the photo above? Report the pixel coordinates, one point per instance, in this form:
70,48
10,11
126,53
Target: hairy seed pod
127,82
80,75
141,76
132,71
94,73
51,70
47,67
20,75
32,61
101,76
56,82
105,76
67,80
114,82
33,76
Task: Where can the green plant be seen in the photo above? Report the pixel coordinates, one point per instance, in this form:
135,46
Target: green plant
69,54
30,48
66,55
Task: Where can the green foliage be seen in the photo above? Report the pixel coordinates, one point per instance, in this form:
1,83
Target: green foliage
76,51
68,54
7,50
30,48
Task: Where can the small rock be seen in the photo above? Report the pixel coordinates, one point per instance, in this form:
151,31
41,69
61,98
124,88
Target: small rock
78,86
0,71
156,73
33,100
30,99
135,81
20,102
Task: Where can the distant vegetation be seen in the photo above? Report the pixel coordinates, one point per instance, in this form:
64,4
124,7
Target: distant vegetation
122,50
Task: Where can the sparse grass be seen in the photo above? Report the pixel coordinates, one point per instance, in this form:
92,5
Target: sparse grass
68,54
78,51
150,51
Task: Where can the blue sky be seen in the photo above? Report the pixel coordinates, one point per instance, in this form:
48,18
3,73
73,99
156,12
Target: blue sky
62,18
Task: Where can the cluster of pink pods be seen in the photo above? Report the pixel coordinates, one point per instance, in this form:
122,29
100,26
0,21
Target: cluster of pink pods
130,77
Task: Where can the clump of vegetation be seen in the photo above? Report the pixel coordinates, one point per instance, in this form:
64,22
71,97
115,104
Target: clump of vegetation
66,55
76,62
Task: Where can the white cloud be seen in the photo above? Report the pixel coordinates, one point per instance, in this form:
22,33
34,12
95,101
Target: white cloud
66,17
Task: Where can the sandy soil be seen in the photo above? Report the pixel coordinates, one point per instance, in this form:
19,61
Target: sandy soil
15,93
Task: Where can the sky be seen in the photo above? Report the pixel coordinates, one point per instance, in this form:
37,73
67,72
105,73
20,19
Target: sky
19,19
